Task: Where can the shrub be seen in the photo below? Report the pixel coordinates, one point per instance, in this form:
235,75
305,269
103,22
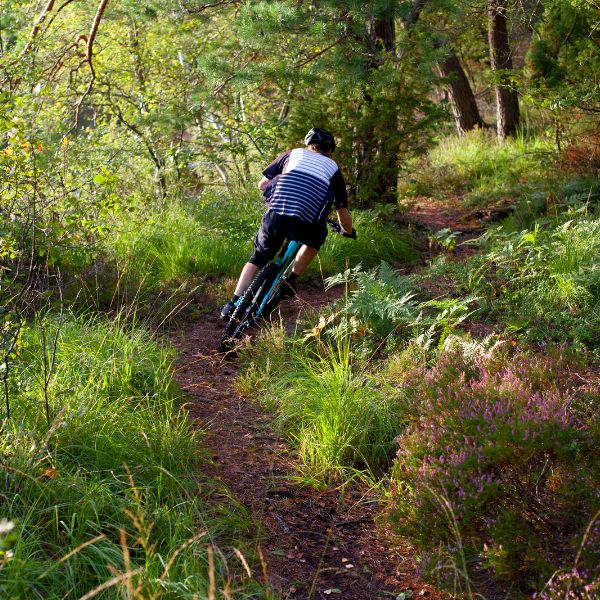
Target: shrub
497,465
386,303
573,193
575,583
584,154
545,280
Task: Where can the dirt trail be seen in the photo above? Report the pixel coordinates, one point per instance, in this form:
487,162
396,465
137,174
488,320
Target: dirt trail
434,215
316,544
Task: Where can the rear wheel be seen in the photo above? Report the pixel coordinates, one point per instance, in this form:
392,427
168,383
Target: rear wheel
245,313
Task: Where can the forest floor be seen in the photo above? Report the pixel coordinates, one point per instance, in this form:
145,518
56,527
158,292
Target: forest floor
316,543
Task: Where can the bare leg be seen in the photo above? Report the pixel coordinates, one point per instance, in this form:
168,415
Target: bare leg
246,277
303,259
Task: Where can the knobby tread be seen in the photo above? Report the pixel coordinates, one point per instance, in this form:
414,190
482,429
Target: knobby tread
243,316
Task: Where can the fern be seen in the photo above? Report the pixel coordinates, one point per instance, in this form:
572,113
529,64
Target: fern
387,303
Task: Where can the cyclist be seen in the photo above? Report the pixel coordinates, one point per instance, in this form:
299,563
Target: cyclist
307,183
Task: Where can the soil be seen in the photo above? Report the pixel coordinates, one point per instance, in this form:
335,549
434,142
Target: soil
316,543
434,215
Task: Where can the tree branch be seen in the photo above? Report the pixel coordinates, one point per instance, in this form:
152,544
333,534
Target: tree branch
320,52
89,55
203,7
37,26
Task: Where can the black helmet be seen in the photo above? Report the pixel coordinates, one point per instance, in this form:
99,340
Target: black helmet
321,138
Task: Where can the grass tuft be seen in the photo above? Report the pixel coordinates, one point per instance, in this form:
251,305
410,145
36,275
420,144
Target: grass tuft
334,413
106,491
480,170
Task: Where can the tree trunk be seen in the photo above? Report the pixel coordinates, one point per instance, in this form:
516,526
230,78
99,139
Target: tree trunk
507,100
462,99
376,152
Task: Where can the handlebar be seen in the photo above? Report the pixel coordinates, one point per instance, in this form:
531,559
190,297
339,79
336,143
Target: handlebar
337,228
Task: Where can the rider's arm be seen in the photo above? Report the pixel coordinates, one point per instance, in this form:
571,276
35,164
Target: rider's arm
263,183
345,219
338,188
274,169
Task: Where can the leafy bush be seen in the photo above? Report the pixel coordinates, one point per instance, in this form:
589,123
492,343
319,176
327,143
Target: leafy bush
541,282
583,155
497,464
545,280
571,193
573,583
386,303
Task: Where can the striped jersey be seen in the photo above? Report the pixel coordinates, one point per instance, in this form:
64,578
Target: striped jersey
307,184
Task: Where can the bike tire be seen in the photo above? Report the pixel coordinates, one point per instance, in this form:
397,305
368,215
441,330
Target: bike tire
245,312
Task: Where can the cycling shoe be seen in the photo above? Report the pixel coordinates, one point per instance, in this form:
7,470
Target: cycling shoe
227,311
287,290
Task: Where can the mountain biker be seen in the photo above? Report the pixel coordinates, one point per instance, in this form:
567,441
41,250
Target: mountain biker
300,187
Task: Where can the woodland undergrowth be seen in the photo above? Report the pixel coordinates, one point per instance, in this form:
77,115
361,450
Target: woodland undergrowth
468,389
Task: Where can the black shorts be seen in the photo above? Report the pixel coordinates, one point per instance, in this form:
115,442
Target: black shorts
275,229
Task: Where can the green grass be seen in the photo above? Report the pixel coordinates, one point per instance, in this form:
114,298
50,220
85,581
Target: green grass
482,171
158,258
208,237
574,192
118,461
377,241
336,416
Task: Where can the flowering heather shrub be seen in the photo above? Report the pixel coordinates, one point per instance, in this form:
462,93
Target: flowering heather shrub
574,584
581,583
497,465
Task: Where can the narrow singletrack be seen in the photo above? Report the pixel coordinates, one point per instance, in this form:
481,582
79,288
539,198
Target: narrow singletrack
316,544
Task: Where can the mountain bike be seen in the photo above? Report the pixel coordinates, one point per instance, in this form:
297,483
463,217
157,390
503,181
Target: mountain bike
264,293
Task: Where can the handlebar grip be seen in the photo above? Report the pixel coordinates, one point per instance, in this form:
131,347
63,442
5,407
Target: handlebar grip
336,227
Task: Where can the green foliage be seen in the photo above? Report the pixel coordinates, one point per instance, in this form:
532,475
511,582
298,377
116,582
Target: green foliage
331,72
377,241
544,280
337,417
386,303
561,62
115,467
209,237
108,183
537,274
480,170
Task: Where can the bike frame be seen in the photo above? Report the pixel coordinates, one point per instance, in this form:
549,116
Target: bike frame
260,303
283,262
